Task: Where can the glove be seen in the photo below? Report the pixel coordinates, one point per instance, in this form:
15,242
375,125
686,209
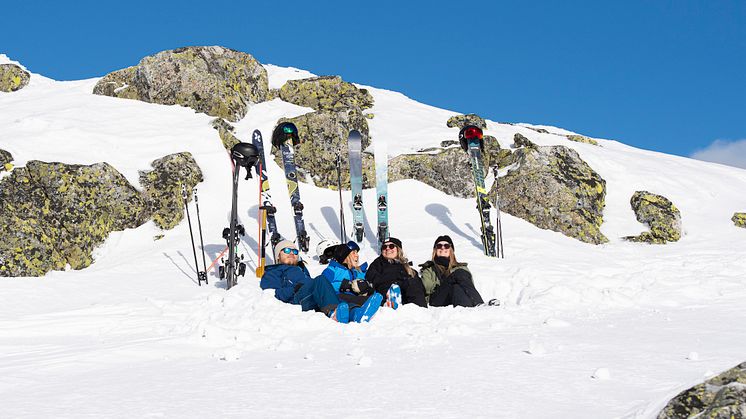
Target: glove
345,286
360,287
297,287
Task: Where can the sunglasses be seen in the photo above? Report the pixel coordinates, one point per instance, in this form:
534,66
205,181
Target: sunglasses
443,246
390,246
288,251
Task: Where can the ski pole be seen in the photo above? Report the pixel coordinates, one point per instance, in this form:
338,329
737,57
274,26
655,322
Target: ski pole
201,276
500,248
191,234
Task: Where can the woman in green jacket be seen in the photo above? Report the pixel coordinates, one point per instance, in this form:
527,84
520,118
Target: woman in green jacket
448,282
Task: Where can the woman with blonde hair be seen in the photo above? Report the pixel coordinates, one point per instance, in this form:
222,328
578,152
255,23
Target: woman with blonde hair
446,280
393,276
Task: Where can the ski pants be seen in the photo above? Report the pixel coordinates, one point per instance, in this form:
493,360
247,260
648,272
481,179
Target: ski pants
316,294
456,293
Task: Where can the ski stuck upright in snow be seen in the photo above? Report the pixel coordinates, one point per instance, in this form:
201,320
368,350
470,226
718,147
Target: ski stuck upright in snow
285,137
355,144
471,139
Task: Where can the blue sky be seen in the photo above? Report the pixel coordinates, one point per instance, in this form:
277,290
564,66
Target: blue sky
662,75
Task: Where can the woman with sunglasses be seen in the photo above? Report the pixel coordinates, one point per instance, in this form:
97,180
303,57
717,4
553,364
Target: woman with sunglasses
392,276
448,282
293,284
347,277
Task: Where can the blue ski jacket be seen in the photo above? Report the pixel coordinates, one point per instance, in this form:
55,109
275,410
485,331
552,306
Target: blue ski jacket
285,280
335,273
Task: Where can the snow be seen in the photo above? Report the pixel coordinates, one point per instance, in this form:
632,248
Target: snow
583,331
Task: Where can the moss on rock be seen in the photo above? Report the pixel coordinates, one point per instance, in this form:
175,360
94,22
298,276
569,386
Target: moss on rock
582,139
55,214
5,159
13,78
162,187
225,131
659,214
327,93
519,140
214,80
553,188
723,396
460,121
739,219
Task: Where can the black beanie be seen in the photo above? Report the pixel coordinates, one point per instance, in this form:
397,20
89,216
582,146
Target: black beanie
394,240
341,251
445,238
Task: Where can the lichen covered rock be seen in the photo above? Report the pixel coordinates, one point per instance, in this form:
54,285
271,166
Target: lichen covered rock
582,139
554,189
5,159
225,131
659,214
214,80
13,78
448,170
460,121
323,135
162,187
723,396
54,214
327,93
519,140
739,219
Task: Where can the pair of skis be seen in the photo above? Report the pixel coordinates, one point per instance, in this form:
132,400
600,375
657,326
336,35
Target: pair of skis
471,139
354,143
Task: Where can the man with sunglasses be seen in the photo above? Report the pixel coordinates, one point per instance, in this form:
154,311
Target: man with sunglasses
446,280
293,284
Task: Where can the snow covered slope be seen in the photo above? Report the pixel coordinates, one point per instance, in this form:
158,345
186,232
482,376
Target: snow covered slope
584,331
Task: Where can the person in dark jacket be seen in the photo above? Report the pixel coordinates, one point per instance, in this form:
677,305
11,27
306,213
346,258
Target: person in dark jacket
446,281
393,268
347,277
293,284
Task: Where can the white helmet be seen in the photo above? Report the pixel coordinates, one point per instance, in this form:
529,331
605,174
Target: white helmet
324,248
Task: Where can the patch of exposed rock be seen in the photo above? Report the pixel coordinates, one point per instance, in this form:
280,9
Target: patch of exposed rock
213,80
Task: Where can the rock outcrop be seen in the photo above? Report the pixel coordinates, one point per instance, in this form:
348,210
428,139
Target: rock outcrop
721,397
327,93
328,132
460,121
5,160
162,187
659,214
554,189
214,80
582,139
13,78
225,131
739,219
54,215
447,170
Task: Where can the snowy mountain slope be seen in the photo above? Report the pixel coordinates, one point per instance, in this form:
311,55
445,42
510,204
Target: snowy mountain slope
133,336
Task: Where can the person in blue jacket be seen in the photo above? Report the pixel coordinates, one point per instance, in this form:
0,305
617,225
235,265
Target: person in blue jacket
347,277
293,284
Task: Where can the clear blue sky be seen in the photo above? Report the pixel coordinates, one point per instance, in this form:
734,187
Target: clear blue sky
663,75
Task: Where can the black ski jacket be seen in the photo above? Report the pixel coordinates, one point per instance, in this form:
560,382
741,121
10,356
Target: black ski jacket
382,273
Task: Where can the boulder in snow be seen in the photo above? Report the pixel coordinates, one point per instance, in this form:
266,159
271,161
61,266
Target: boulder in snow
55,214
327,93
162,187
214,80
460,121
13,77
659,214
225,131
554,189
323,135
582,139
5,159
519,140
723,396
739,219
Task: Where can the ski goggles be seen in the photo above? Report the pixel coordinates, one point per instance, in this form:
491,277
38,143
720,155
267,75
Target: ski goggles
289,250
353,246
443,246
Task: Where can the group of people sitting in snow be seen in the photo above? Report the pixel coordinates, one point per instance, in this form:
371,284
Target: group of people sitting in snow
348,291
